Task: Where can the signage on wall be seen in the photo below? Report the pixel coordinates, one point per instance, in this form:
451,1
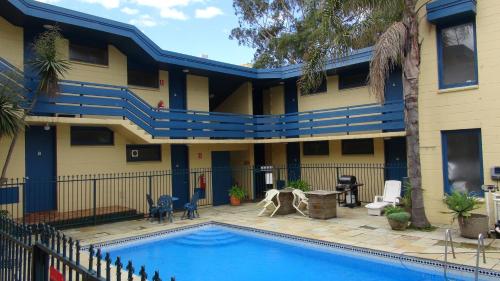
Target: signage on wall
162,82
200,155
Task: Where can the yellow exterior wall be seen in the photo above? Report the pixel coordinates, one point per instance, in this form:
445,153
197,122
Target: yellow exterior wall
277,100
154,95
240,101
11,47
16,169
197,93
334,97
459,108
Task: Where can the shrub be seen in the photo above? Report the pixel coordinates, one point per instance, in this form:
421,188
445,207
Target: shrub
461,204
399,217
393,209
406,200
4,213
299,184
237,192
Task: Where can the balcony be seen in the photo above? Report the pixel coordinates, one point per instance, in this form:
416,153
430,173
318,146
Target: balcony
81,99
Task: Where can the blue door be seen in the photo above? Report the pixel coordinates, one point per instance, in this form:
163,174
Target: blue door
291,101
177,89
395,159
40,169
221,177
394,87
180,174
293,160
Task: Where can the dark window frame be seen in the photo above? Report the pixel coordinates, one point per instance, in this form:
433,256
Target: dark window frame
153,81
322,88
73,53
131,159
343,85
316,148
88,130
439,34
353,150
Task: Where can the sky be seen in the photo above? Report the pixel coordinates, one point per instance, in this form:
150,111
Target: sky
193,27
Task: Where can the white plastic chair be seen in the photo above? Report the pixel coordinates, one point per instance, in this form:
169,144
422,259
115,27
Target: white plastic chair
299,199
269,203
392,194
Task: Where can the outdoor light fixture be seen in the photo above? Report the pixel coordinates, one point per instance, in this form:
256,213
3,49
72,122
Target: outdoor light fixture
185,70
46,127
48,26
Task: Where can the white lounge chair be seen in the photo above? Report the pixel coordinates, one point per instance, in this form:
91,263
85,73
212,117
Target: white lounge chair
299,200
392,194
269,203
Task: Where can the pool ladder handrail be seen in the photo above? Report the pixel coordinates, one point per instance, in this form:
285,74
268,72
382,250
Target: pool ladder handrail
447,237
480,245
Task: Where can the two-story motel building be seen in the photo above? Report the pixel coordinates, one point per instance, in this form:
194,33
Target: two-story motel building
217,114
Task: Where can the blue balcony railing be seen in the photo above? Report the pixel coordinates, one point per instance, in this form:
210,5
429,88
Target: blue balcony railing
91,99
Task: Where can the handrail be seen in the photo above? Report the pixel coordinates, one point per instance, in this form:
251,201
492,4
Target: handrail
447,237
480,245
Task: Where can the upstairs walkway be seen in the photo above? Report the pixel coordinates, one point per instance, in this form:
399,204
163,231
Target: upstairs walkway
352,227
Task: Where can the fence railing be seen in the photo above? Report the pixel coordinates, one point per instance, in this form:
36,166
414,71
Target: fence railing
40,252
69,201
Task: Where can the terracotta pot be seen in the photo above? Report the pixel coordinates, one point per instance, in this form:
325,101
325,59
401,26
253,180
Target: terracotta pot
471,227
235,201
397,225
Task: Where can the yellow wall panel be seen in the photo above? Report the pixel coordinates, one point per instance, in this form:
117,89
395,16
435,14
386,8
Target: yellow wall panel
240,101
153,95
197,93
11,46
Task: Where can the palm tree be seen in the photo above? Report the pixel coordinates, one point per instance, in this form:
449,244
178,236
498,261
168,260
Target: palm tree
393,26
49,68
314,32
11,113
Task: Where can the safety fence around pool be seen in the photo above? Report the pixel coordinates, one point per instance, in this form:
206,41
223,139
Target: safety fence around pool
70,201
42,253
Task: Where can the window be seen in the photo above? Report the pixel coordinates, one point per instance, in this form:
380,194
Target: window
356,147
91,136
457,56
140,153
315,148
353,79
462,161
88,54
321,88
142,76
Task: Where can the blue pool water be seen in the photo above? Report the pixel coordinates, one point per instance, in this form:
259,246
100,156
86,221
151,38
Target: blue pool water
218,253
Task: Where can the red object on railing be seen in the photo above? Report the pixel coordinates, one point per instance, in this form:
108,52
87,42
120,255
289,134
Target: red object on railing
161,104
55,275
202,182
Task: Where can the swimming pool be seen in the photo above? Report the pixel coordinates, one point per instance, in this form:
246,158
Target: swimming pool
220,252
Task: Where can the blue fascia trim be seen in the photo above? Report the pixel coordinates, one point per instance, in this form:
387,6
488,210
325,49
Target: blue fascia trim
443,11
62,15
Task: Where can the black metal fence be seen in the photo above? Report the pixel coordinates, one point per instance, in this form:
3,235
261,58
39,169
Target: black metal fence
70,201
40,252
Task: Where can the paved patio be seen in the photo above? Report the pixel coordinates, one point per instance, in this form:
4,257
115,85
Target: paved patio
353,227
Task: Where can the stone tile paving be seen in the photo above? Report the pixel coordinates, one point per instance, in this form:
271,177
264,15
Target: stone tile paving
353,227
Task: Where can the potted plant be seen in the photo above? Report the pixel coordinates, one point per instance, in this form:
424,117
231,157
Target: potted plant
397,217
299,184
406,200
236,194
461,206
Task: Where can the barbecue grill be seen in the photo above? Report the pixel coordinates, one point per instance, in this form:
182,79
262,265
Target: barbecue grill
350,186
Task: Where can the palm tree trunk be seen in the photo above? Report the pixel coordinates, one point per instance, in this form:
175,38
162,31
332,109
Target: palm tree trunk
411,71
14,141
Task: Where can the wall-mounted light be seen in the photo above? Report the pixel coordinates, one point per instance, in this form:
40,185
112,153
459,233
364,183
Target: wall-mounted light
281,82
48,26
185,70
46,127
211,96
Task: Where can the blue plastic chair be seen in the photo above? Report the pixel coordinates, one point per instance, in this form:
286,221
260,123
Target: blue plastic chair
191,208
165,208
153,210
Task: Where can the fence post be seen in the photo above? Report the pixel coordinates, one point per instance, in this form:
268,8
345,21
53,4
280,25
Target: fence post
24,200
40,261
150,185
95,200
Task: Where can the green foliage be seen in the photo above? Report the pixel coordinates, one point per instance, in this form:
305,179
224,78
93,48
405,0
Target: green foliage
11,113
300,184
461,204
237,192
48,64
4,213
406,200
392,210
400,216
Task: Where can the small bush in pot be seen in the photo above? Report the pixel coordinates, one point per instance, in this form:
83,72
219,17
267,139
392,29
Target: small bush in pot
461,206
300,184
237,193
397,217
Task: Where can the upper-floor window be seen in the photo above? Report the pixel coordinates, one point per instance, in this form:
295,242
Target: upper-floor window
457,55
322,88
353,79
88,54
142,76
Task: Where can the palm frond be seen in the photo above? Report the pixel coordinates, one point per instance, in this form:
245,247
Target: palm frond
387,54
11,113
